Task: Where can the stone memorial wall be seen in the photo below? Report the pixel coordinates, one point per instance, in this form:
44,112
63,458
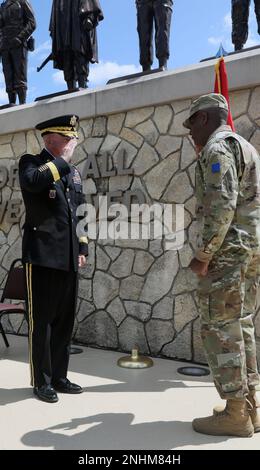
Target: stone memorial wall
134,149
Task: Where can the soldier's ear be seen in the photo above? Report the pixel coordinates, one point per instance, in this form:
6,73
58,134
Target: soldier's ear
204,118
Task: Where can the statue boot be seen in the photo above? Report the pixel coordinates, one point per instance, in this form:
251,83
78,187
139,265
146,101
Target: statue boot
82,81
12,97
254,410
22,95
71,84
233,421
146,67
163,64
238,46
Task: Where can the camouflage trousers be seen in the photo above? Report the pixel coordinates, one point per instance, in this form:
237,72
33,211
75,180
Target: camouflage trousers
227,300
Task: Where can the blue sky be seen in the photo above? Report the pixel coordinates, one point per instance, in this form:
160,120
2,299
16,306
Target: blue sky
198,26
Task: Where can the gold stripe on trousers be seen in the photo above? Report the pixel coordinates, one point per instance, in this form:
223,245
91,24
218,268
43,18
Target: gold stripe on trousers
28,268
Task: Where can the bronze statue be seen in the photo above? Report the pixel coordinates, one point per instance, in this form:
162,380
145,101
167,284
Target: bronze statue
74,38
17,23
152,13
240,17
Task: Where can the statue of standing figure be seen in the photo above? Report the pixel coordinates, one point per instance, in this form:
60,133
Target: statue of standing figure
152,13
240,18
74,38
17,23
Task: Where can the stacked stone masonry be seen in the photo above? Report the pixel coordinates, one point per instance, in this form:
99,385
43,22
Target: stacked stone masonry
134,292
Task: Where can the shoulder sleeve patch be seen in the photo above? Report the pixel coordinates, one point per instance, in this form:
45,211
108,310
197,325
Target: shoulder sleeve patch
216,167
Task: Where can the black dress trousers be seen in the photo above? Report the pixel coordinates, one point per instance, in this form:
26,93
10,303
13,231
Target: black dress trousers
51,299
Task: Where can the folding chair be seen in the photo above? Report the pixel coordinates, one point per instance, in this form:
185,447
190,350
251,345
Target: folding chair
14,290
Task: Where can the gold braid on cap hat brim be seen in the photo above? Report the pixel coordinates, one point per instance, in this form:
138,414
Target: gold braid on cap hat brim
60,130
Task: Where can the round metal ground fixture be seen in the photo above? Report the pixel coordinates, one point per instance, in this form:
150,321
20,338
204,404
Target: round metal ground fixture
135,361
74,350
194,371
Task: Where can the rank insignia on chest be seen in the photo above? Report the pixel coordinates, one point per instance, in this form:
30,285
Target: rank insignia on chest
215,167
52,193
76,178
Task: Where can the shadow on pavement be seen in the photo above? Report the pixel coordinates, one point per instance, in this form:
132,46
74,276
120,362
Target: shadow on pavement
117,431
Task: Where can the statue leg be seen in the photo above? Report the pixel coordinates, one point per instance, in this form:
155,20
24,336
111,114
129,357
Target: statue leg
69,70
8,74
257,12
71,84
163,16
20,61
240,17
82,81
145,32
82,70
12,97
22,95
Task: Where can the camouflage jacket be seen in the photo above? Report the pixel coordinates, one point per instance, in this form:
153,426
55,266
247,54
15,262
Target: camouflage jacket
228,194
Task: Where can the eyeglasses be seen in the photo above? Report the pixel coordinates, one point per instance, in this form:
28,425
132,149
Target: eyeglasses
68,138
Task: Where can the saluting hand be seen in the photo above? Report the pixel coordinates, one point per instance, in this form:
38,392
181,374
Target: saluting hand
68,150
82,261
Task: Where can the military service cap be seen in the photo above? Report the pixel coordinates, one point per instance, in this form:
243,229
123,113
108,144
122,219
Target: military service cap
212,100
64,125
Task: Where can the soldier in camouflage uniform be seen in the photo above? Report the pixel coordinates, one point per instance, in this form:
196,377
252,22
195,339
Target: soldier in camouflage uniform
240,17
227,263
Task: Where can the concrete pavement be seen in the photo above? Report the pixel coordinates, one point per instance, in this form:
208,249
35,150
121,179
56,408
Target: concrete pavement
119,409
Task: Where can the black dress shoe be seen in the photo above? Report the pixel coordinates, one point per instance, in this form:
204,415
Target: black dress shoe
46,393
65,386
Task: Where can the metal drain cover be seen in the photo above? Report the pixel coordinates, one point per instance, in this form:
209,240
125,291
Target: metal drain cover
74,350
195,371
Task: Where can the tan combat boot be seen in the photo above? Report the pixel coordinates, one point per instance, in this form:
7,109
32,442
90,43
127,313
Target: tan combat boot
254,410
233,421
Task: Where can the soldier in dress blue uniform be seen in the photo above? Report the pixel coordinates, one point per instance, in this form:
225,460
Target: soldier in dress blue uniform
52,191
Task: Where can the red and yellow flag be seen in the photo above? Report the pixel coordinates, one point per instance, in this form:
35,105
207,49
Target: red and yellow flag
221,86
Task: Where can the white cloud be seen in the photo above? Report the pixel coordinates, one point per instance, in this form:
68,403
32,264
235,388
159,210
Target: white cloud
31,91
31,70
227,21
252,16
42,57
3,96
58,77
216,40
252,40
226,31
2,78
102,72
45,46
